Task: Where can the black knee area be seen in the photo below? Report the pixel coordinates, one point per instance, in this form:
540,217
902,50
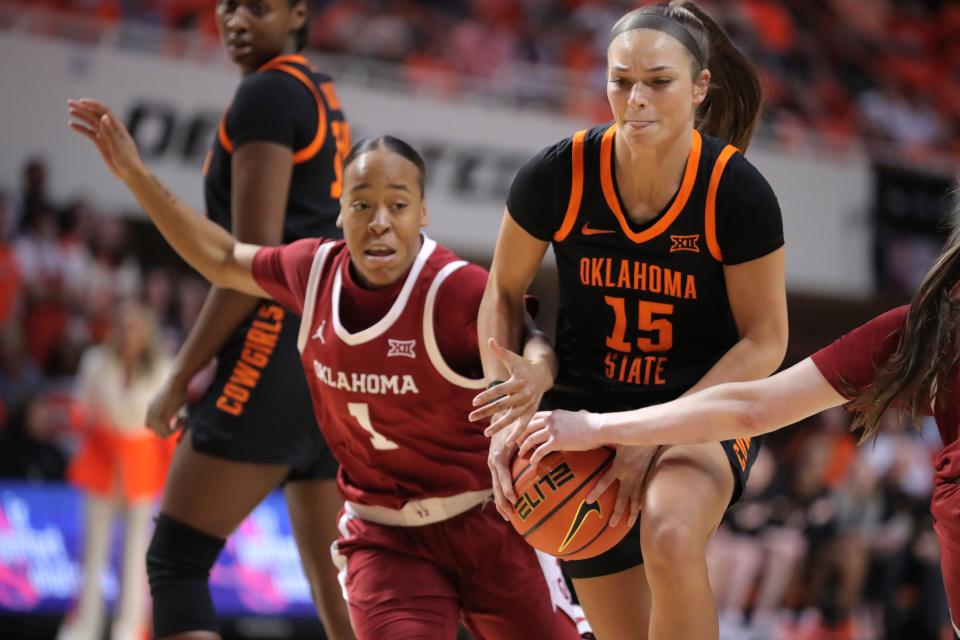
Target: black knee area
179,561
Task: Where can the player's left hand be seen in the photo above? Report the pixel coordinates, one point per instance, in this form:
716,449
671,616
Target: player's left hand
498,459
558,431
95,121
514,401
630,466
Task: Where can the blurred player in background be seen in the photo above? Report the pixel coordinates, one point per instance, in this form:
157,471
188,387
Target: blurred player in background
905,359
273,175
119,464
669,248
388,342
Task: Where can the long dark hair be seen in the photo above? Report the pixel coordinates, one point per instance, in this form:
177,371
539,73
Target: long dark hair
732,106
926,358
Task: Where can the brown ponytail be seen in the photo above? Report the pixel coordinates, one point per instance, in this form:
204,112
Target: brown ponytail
926,358
732,106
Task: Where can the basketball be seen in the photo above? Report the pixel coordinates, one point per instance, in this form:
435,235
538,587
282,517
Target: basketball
551,511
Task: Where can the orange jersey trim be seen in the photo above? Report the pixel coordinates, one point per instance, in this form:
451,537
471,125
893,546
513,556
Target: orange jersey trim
273,63
225,140
328,92
314,147
710,211
576,189
610,193
281,63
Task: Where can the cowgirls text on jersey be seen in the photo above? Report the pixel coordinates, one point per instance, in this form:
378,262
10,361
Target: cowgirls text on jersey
392,410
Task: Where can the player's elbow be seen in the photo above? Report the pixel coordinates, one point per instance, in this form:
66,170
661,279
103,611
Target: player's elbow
771,349
753,416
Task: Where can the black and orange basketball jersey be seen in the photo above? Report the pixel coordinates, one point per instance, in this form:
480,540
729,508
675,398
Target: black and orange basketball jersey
287,101
644,312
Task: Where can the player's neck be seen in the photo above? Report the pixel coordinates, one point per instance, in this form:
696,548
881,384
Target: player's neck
647,177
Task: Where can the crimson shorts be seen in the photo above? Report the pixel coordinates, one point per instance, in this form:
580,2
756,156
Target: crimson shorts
420,582
945,507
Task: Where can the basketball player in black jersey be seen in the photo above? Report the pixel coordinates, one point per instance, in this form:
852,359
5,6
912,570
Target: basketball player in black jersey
272,176
669,254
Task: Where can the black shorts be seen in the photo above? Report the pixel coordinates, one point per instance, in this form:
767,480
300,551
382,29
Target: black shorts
257,408
741,454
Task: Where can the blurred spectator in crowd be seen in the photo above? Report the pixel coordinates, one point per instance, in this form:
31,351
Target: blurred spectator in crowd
42,268
30,440
119,464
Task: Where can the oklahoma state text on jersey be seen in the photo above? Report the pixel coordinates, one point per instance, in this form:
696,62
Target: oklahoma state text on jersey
644,309
392,410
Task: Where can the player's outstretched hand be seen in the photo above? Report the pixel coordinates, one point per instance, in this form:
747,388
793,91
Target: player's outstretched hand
558,431
96,122
163,413
514,401
630,466
498,459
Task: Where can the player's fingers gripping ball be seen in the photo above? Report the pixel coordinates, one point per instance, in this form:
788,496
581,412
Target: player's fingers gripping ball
551,511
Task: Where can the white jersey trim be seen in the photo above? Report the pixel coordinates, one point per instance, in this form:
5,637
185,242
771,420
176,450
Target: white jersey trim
310,297
430,335
399,304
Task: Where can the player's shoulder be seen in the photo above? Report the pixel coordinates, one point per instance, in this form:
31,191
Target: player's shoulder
465,279
273,86
889,322
738,171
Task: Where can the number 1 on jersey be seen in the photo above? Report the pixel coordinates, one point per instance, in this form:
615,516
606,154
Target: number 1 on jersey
361,411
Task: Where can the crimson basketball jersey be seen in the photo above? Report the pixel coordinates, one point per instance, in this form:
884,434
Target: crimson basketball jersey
852,362
392,410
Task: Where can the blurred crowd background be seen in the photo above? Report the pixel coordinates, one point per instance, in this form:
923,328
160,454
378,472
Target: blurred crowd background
833,541
887,71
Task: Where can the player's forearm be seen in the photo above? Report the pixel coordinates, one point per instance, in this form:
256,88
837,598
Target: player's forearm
500,317
539,352
222,312
749,359
204,245
722,412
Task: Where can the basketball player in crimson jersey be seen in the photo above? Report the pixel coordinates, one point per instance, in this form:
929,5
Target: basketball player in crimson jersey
906,358
421,544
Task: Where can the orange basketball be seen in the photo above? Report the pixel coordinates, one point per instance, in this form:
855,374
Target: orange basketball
551,512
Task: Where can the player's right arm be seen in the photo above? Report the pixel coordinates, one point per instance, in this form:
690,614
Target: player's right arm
515,261
500,320
828,378
203,244
722,412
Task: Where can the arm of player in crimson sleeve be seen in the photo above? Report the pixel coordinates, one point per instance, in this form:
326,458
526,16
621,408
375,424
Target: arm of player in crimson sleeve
205,246
722,412
757,294
261,172
261,175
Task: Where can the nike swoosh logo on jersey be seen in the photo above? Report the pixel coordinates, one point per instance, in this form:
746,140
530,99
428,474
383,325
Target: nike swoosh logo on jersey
587,231
585,509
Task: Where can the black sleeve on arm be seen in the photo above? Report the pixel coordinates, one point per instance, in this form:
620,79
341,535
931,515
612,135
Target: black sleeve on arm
749,225
272,106
538,196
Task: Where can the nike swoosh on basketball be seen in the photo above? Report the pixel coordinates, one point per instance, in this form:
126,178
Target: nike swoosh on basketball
585,509
587,231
